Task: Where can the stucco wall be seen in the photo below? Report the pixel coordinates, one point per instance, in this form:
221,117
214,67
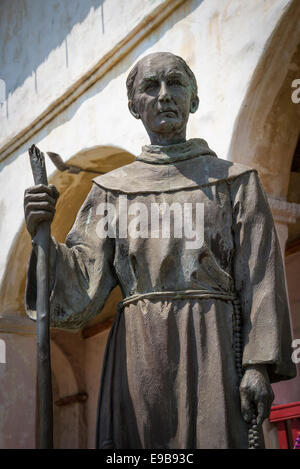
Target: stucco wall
18,393
94,352
47,45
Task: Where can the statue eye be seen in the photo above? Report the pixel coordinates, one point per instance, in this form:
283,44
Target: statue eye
174,82
150,85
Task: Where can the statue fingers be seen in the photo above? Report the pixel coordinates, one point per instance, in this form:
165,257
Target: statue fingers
34,218
264,398
38,216
262,413
39,208
39,188
269,401
246,406
39,197
55,192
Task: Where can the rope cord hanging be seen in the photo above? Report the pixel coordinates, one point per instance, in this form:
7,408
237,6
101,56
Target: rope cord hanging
253,431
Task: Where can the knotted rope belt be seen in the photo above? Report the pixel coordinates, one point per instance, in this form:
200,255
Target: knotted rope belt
253,432
176,295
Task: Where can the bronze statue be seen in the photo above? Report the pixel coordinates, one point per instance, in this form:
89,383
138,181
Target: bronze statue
203,328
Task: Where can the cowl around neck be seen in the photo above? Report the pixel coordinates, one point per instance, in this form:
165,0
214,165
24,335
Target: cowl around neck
164,154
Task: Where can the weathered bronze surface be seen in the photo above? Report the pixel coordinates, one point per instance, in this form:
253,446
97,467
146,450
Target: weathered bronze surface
41,242
201,332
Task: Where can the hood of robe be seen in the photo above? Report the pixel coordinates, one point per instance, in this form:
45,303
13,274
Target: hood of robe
171,168
166,154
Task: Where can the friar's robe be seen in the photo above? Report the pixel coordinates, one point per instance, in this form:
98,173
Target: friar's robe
169,378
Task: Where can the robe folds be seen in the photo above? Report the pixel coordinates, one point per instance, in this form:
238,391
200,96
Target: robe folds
169,378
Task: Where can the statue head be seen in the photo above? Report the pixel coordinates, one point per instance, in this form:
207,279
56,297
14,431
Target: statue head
162,91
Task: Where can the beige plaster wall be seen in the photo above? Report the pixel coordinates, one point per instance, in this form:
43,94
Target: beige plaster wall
18,393
47,45
94,352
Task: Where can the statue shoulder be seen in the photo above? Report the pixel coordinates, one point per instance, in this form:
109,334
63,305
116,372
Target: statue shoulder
224,169
141,177
119,177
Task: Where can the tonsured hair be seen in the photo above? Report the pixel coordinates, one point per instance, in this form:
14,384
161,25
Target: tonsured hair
133,73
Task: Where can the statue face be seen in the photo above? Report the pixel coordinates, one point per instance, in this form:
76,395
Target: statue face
162,96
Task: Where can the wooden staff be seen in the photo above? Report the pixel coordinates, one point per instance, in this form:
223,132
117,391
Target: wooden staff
41,240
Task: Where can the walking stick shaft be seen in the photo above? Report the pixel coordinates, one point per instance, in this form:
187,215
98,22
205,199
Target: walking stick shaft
41,241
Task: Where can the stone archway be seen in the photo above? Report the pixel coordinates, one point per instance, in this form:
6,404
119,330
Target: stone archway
70,373
267,127
265,137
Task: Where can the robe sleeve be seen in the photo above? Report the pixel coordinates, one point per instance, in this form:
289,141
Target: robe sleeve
260,280
81,270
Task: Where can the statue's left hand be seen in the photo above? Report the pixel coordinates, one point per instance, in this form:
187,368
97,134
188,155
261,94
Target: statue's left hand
256,392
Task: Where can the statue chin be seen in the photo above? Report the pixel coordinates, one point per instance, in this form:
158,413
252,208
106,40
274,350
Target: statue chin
168,125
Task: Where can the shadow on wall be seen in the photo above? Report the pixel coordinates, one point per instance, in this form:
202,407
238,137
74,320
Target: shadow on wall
118,69
18,20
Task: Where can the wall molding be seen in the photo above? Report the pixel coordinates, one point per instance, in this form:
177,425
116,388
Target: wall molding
17,324
293,247
283,211
109,60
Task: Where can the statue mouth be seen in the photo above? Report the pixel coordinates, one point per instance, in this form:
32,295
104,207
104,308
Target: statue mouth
168,112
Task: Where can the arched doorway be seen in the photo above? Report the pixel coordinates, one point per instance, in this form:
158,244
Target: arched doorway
267,127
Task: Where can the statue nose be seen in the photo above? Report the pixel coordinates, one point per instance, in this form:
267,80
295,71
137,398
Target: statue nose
163,92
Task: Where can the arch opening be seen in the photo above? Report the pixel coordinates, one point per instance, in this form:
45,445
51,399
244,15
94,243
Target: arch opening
268,124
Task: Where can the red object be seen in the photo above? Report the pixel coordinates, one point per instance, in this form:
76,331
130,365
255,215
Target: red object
287,419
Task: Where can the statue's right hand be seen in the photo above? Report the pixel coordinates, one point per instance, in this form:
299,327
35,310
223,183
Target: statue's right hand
39,205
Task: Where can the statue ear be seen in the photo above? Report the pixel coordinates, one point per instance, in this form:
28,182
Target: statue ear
194,104
133,110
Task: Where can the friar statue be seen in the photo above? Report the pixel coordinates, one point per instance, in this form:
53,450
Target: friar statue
203,327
